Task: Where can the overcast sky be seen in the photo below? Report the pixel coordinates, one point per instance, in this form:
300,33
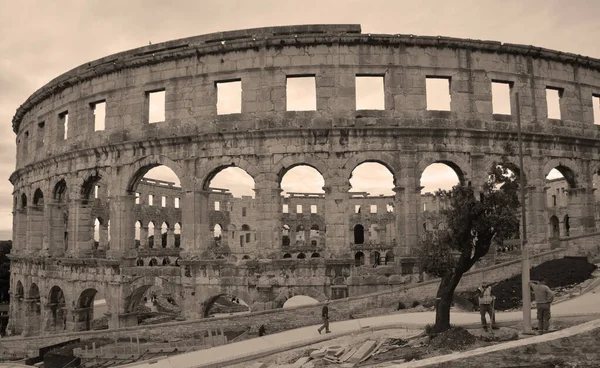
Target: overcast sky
41,39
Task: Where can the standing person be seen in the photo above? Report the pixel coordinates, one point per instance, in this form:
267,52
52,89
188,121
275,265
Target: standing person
325,316
486,305
543,298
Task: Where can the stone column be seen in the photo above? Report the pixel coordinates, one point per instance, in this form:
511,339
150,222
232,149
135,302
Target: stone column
35,226
195,232
337,216
170,238
55,317
21,231
401,248
268,209
33,316
16,319
103,236
143,236
81,225
409,209
122,225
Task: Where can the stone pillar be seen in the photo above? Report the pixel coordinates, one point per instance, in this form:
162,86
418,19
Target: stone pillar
535,202
20,241
401,248
32,318
195,232
143,236
170,238
103,236
268,209
35,228
337,216
55,317
80,319
81,224
16,318
410,202
122,227
580,211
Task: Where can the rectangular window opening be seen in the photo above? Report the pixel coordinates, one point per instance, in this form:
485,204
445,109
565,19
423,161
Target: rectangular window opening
217,206
298,208
301,93
41,132
438,93
150,200
176,203
63,119
596,103
357,208
553,96
243,211
373,208
501,98
163,201
96,190
286,208
137,198
99,109
370,92
313,208
229,97
156,106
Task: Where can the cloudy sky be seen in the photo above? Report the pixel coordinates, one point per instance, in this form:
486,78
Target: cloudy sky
41,39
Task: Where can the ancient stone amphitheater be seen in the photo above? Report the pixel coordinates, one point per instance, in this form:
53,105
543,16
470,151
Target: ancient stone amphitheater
72,173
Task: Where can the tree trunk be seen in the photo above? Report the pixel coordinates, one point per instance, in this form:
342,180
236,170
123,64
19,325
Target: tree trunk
445,294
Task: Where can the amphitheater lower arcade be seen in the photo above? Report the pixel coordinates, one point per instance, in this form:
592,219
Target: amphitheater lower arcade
88,224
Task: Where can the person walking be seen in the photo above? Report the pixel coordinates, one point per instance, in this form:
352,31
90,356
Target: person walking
486,305
325,317
543,298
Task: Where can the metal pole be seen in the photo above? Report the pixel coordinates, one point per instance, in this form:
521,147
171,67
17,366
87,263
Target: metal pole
524,247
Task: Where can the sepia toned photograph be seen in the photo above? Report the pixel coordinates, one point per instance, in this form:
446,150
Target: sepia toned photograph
299,184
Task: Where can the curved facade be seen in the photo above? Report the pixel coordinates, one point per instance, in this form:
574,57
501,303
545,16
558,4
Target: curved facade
63,154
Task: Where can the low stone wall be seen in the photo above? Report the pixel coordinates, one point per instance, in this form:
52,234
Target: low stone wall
289,318
587,245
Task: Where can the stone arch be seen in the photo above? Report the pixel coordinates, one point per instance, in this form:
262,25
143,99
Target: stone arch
23,200
456,163
310,292
389,257
359,259
139,168
60,191
218,165
554,227
509,162
87,187
166,261
153,262
301,256
245,257
38,197
567,225
287,163
57,319
287,255
33,292
383,158
315,255
240,294
359,234
139,262
568,168
20,292
83,314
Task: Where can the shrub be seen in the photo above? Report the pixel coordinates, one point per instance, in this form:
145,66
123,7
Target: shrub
401,306
415,303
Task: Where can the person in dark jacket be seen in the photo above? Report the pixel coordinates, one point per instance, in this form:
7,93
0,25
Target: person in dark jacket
325,317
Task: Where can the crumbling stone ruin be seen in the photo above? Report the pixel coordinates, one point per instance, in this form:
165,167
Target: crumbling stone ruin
75,174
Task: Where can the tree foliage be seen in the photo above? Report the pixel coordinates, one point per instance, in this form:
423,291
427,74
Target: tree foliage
5,247
474,219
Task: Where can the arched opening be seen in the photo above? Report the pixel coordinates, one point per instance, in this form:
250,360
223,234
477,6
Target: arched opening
373,179
442,175
38,197
217,231
285,235
245,257
301,179
299,300
164,228
359,234
301,256
60,191
315,255
314,235
153,262
138,233
84,314
166,261
151,234
389,257
287,255
23,201
158,191
139,262
554,227
57,320
225,305
177,233
97,228
34,309
566,225
359,259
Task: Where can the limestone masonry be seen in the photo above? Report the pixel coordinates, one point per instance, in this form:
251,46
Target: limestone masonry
75,179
